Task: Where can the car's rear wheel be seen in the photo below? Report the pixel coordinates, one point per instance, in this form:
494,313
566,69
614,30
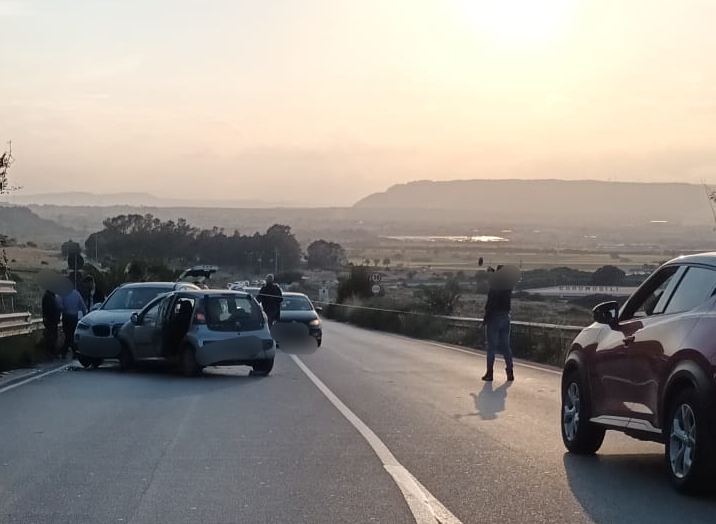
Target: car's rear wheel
189,366
690,446
580,436
261,368
126,359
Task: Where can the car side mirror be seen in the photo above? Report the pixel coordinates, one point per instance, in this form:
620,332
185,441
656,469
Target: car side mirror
319,309
96,307
606,313
135,319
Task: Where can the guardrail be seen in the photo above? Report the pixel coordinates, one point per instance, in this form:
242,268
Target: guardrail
12,323
542,342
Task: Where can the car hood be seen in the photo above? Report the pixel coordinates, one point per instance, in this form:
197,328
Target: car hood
298,316
109,316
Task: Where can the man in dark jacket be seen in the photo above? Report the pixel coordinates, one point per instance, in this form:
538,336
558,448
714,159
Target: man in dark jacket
51,314
497,329
92,294
270,298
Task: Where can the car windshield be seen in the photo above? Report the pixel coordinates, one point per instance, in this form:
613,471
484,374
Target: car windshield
132,297
228,313
296,304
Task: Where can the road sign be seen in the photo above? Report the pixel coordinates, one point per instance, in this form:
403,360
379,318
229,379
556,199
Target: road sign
376,289
75,262
376,277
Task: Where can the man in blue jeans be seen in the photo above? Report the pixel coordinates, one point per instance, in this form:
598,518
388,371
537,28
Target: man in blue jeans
72,306
497,330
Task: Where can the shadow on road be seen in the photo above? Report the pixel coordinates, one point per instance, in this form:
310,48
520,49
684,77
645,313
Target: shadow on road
632,488
164,369
489,402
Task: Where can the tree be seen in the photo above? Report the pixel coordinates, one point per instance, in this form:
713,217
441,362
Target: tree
608,276
386,262
376,261
441,300
70,248
356,285
325,255
6,160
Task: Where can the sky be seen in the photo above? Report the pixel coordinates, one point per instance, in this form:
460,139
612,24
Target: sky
326,101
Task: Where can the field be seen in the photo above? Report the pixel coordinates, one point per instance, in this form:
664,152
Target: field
452,257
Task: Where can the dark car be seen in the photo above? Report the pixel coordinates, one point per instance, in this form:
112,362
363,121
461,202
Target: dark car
648,369
297,307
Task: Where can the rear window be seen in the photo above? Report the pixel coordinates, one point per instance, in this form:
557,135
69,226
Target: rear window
232,314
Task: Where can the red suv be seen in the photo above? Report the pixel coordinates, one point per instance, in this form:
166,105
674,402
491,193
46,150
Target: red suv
648,369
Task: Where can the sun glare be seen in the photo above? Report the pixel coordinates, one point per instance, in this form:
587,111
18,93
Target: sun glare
521,23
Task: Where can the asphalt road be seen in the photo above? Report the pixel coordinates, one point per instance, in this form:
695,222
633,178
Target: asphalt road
395,428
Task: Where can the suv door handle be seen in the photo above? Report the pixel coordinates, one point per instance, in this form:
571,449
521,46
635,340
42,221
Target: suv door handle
628,340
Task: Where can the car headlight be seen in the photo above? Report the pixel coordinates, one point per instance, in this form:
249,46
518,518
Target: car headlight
82,326
314,323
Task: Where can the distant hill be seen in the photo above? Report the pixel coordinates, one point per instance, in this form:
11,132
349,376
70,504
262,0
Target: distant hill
26,226
84,199
551,200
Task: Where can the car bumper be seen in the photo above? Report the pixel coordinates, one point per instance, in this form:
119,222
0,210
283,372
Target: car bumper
234,351
97,347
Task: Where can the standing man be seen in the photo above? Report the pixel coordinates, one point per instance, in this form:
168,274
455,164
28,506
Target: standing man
72,307
497,329
51,314
270,298
92,294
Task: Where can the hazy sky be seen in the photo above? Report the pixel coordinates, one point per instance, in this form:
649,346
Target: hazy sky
325,101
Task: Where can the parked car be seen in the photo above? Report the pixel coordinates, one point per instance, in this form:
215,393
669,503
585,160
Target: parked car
297,307
197,329
648,369
95,336
253,291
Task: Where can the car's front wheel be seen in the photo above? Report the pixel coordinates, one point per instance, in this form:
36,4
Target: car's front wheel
690,447
88,362
580,436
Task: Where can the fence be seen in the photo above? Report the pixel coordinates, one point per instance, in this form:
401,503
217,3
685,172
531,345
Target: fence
12,323
546,343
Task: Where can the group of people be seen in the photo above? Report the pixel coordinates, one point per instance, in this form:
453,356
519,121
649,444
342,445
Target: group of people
67,310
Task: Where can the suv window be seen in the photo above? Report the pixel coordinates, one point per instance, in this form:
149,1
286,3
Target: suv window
653,297
695,288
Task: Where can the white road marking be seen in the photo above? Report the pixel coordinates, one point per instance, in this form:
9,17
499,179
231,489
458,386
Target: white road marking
426,509
35,377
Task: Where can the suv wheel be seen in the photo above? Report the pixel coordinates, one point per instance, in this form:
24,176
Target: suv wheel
89,361
579,435
689,444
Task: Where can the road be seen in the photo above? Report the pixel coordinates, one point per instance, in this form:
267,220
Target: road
151,447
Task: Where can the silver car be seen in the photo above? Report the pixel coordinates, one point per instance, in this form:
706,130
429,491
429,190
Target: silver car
95,336
196,329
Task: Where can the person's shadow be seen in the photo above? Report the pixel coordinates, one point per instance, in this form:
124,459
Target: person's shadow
489,402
